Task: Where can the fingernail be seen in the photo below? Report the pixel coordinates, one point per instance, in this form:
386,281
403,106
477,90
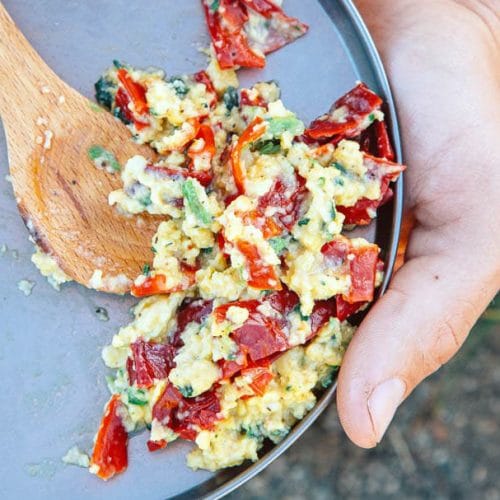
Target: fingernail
383,403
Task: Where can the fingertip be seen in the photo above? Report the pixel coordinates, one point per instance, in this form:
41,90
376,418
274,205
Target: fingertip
353,411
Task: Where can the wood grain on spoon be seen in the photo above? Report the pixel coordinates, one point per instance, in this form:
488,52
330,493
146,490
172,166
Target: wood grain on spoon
62,197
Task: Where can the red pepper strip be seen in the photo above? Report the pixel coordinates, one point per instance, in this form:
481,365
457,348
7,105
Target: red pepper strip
249,98
206,134
260,379
361,264
323,310
344,309
110,450
257,219
281,29
149,361
225,25
122,101
255,130
185,415
204,177
362,269
202,77
359,103
288,199
384,147
156,445
157,284
261,276
191,311
135,90
260,336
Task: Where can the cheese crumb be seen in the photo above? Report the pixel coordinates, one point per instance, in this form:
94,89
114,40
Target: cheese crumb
75,456
26,286
48,139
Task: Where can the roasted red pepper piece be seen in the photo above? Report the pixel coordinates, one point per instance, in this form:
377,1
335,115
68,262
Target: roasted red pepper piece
225,25
257,219
360,262
261,276
122,101
135,90
149,361
344,309
260,377
191,311
364,210
204,177
362,269
206,134
202,77
185,415
282,29
157,284
260,336
358,104
323,310
110,450
254,131
287,198
156,445
249,98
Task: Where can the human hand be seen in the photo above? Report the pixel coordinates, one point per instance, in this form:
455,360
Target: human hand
443,61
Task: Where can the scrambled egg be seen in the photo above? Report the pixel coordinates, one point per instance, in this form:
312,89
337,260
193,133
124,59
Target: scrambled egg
239,327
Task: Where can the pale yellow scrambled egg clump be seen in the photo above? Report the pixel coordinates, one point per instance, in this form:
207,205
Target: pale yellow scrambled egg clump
195,214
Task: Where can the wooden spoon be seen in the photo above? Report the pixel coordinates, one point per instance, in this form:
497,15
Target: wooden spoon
61,195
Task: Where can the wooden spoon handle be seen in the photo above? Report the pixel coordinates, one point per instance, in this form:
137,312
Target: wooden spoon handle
23,76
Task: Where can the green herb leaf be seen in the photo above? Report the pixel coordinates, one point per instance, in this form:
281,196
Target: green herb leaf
333,212
103,158
231,98
278,244
137,396
340,167
146,269
215,5
186,391
146,200
104,90
118,113
303,222
189,192
117,64
276,126
267,147
180,86
298,310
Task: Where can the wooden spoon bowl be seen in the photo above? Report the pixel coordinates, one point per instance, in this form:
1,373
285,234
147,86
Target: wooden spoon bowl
61,195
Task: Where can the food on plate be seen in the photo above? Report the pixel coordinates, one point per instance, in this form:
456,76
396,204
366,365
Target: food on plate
244,31
245,307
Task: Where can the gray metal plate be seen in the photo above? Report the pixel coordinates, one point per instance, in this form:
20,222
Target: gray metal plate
53,388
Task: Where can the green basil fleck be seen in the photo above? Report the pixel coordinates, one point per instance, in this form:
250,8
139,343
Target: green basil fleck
267,147
103,158
303,222
231,98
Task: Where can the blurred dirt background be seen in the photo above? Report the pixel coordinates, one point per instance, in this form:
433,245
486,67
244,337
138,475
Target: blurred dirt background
443,444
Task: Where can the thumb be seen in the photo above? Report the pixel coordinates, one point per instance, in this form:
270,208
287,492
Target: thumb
418,325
